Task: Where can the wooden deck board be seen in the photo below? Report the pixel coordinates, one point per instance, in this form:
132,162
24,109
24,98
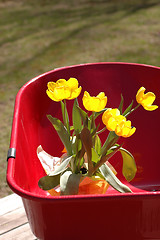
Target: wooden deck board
13,221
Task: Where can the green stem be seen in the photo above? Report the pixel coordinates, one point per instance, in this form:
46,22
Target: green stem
65,122
66,117
93,125
132,110
102,130
63,112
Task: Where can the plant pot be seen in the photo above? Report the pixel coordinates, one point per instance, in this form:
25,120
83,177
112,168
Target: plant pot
112,215
88,186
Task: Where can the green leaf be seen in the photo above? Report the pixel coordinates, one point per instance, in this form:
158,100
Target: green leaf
86,139
62,167
69,183
77,145
113,180
105,158
76,117
129,166
121,104
128,109
97,144
49,182
83,115
95,156
110,153
62,132
110,141
88,123
79,160
85,119
73,142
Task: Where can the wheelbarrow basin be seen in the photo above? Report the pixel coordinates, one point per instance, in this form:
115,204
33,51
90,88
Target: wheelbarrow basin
113,215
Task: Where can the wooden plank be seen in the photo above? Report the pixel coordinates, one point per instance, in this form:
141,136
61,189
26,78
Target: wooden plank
21,233
13,221
10,203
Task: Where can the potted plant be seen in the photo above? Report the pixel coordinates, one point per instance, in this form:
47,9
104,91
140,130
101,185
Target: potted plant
70,214
84,168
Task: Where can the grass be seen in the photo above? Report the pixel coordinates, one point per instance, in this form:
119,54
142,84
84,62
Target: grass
37,36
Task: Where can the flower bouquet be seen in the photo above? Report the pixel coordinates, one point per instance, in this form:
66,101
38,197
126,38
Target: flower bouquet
84,166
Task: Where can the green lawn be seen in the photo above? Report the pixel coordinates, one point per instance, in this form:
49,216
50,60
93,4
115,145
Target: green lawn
40,35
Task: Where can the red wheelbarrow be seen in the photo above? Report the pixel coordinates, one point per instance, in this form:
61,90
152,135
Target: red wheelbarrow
112,215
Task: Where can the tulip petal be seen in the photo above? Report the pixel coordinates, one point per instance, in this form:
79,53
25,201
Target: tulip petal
61,93
61,82
115,112
51,86
51,96
132,131
125,131
72,83
150,108
140,94
101,95
95,104
111,124
146,100
75,93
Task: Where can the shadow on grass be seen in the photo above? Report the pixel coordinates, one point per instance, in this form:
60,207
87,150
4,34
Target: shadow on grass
97,12
30,20
143,5
129,6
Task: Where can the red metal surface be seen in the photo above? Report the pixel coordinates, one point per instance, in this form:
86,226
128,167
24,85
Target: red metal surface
111,216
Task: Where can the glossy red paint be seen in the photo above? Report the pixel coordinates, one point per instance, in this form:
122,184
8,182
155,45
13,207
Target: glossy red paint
113,215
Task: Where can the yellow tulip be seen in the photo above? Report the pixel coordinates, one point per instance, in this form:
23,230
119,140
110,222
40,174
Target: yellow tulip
146,100
95,104
114,121
124,129
63,89
111,117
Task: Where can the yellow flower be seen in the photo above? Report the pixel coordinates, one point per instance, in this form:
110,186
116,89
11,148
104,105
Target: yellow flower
114,121
124,129
146,100
63,89
111,117
95,104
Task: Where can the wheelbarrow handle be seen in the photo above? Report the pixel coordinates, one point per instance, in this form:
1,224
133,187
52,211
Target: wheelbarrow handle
11,153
